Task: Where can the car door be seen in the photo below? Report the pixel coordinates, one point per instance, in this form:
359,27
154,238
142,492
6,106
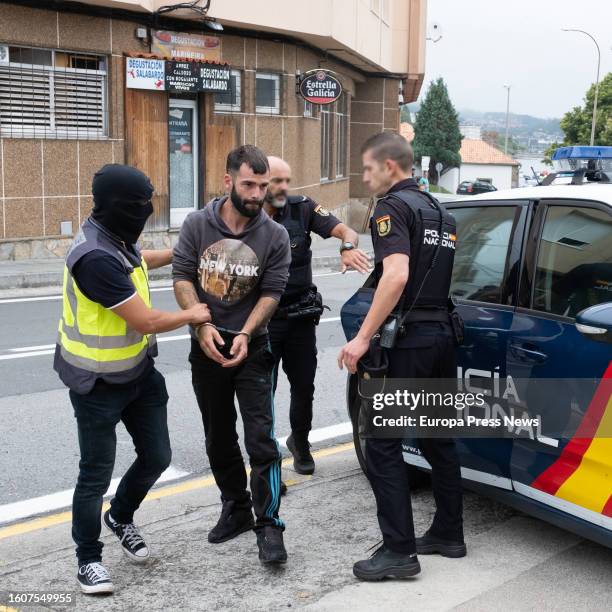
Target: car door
567,267
490,237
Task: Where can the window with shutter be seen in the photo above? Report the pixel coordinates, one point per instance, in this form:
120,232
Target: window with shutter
52,94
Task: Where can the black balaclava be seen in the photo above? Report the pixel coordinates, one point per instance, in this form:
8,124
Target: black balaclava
240,206
122,200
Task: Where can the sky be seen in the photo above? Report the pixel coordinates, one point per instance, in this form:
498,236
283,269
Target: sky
488,43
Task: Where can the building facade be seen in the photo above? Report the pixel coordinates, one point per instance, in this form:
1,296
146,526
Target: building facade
172,91
480,161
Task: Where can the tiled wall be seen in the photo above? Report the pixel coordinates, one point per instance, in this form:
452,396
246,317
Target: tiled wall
44,181
374,109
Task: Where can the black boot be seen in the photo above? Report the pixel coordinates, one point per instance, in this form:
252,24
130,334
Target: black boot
232,522
283,488
298,445
271,545
385,563
430,545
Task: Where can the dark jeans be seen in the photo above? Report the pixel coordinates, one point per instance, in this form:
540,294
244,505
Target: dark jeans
142,408
294,342
251,383
427,352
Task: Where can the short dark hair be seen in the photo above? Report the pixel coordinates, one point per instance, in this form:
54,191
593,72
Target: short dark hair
250,155
388,145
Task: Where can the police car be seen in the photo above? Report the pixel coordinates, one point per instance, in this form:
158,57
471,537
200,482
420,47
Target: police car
533,282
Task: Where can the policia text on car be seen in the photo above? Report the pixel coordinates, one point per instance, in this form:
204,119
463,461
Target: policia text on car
293,325
410,308
104,355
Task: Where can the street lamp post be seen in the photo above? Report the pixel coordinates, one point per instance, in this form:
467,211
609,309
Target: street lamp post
507,118
594,120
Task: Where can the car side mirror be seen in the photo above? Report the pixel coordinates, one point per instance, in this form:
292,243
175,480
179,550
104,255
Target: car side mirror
595,322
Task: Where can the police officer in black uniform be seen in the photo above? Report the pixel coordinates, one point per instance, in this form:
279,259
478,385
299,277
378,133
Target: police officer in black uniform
292,328
403,224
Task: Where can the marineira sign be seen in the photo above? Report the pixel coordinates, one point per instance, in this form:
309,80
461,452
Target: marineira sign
320,87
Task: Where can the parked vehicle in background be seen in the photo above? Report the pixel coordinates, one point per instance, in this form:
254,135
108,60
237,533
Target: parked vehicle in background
474,187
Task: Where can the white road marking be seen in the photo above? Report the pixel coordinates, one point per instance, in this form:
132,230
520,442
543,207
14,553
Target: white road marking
43,298
324,433
48,349
25,355
63,499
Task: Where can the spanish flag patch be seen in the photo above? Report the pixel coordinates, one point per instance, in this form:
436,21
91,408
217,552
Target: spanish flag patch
383,225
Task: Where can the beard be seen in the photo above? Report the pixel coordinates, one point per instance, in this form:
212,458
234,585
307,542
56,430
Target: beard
277,201
241,205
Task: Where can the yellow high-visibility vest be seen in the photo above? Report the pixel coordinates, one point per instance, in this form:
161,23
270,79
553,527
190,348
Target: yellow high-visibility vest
94,342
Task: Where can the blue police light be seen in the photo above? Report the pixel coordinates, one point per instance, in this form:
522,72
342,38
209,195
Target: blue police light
582,153
590,160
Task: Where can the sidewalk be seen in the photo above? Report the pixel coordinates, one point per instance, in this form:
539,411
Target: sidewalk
35,273
514,562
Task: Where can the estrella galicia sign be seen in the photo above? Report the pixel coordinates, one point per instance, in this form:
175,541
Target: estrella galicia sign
320,87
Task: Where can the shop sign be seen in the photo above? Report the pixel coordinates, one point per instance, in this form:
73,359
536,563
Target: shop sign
184,45
320,87
196,76
182,76
144,73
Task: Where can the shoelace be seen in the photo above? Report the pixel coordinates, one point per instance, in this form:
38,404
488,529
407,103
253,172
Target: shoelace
96,572
131,535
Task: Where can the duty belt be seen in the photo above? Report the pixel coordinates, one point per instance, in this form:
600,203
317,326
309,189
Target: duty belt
423,316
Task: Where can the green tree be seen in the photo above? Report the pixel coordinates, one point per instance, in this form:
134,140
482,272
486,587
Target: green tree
437,130
405,114
576,123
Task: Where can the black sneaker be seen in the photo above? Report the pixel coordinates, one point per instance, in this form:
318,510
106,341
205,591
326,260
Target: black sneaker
132,543
283,488
430,545
232,522
271,546
385,563
303,463
94,579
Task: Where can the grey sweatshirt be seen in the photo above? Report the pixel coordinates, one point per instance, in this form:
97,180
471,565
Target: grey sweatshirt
232,271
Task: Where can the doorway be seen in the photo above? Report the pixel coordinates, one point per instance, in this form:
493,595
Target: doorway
183,158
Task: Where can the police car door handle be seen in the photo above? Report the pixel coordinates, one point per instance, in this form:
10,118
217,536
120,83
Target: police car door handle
527,352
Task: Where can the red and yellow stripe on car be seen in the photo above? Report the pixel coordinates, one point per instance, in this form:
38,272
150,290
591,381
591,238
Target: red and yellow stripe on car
582,474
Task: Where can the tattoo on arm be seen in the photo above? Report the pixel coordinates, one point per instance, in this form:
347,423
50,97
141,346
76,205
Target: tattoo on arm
261,314
185,294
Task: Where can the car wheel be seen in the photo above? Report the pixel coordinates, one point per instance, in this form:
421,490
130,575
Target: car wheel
418,479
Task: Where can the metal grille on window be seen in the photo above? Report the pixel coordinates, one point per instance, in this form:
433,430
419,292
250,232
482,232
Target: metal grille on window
52,94
325,143
229,101
341,135
267,94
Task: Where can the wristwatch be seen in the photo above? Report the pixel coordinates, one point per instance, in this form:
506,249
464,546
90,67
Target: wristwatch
346,246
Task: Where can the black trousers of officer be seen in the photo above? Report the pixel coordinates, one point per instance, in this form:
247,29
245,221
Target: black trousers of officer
294,342
251,382
427,351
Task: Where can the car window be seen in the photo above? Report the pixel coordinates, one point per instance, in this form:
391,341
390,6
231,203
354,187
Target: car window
483,236
574,267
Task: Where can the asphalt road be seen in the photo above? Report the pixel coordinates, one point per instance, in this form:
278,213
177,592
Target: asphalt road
514,562
39,454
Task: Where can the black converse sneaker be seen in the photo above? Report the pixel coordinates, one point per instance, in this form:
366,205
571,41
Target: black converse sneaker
94,579
132,544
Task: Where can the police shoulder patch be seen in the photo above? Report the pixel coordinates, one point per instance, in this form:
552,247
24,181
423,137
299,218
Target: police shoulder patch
383,225
321,211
